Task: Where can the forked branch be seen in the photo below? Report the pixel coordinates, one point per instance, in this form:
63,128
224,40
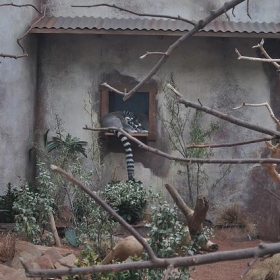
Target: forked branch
196,27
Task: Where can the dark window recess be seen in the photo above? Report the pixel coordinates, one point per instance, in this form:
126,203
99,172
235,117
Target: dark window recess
139,103
142,103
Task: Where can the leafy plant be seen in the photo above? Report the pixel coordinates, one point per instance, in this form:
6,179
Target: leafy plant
94,224
70,145
127,198
184,129
6,204
33,205
168,238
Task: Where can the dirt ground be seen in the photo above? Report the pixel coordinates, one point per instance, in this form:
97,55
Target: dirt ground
229,239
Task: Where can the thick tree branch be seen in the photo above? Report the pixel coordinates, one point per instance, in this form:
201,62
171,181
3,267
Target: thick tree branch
107,208
187,160
262,250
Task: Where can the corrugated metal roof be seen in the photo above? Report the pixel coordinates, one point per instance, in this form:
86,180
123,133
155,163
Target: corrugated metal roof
154,26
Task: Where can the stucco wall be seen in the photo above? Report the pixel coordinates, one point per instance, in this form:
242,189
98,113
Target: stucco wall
206,69
17,94
194,10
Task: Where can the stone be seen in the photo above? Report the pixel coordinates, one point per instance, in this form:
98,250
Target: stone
18,274
53,254
26,251
66,262
4,270
44,262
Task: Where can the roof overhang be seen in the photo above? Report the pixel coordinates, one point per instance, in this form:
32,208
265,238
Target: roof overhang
152,27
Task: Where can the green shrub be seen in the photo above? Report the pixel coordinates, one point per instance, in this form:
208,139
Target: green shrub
33,205
127,198
6,204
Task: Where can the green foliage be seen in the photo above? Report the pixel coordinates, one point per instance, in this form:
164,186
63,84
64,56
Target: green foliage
168,238
6,204
184,129
127,198
33,205
88,258
93,224
68,144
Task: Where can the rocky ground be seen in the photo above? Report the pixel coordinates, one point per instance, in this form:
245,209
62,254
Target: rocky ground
38,257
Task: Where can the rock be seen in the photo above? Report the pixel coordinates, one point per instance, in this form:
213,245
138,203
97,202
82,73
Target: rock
17,275
4,270
66,262
25,250
53,254
44,262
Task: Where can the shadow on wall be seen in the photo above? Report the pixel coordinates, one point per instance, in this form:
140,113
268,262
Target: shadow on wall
159,166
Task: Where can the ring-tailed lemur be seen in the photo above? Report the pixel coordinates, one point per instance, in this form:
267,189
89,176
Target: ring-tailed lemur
127,121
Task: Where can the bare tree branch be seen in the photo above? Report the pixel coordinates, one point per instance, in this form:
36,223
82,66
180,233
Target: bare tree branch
32,25
106,207
197,26
20,6
223,116
151,53
187,160
13,56
262,250
256,58
264,52
135,13
259,105
212,146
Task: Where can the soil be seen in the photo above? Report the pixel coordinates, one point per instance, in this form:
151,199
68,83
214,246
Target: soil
227,239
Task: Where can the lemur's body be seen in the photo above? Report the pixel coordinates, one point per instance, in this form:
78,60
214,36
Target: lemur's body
127,121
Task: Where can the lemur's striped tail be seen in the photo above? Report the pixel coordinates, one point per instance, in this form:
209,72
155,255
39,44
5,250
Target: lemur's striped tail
129,155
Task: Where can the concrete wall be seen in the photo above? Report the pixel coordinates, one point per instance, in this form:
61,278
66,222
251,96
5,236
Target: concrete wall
17,94
204,69
194,10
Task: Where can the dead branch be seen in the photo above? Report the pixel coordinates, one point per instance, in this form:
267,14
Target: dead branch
263,51
263,249
197,26
20,6
107,208
212,146
135,13
255,58
32,25
187,160
259,105
274,153
13,56
185,209
223,116
196,217
249,266
151,53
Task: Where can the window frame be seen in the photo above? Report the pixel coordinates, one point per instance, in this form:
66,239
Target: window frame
151,90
